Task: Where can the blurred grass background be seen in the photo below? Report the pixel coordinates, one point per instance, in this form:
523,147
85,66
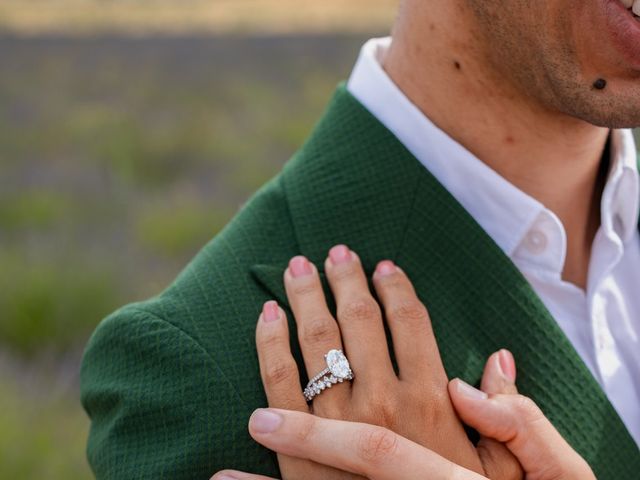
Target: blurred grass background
130,132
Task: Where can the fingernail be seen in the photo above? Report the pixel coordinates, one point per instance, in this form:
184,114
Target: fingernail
270,311
265,421
300,267
386,267
468,391
225,476
507,365
340,254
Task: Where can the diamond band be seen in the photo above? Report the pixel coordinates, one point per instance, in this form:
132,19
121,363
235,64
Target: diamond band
337,371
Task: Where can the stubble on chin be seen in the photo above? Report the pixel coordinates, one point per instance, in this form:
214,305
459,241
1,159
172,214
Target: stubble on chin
531,46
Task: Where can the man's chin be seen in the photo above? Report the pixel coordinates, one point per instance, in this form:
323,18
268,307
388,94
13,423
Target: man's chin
627,118
602,109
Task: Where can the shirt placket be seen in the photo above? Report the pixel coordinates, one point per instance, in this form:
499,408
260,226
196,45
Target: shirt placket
607,253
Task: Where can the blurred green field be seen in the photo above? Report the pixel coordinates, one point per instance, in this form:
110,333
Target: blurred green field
168,17
42,430
119,158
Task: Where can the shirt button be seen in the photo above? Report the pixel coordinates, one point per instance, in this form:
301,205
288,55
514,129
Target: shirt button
536,242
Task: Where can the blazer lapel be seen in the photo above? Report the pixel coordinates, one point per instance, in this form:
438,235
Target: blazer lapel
370,193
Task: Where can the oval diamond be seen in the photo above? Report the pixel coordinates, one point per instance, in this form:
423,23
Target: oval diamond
338,364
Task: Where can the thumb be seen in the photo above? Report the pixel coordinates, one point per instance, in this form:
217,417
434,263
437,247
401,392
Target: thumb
516,421
499,374
499,378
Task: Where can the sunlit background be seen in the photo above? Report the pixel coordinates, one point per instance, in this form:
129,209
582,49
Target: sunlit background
130,132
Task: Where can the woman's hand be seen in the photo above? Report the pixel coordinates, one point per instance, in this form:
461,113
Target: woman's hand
380,454
413,403
517,422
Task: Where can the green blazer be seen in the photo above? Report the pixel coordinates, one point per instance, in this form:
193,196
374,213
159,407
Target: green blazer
169,383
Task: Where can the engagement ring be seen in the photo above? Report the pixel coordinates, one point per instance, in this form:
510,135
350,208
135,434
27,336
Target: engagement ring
337,371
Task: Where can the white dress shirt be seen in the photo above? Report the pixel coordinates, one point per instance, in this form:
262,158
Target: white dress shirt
603,322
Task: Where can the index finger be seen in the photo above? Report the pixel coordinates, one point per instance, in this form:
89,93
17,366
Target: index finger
368,450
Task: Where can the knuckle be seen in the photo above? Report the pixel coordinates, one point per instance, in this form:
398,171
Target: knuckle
360,310
525,414
377,445
320,329
345,271
412,311
279,371
268,341
526,408
393,283
304,289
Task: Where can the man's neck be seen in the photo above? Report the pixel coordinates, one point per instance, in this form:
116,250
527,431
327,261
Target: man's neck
551,156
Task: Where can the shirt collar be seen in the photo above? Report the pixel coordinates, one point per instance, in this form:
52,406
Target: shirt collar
506,213
620,206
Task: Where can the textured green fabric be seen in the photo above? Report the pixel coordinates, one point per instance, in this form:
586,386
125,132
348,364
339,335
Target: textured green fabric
170,383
